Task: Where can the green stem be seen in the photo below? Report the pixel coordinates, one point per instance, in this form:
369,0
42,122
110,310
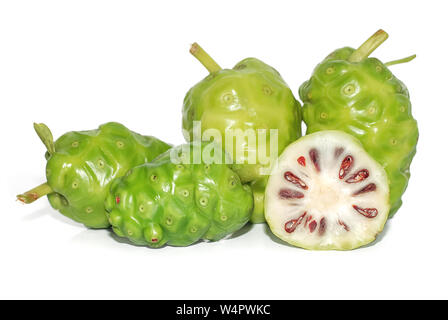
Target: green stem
46,136
204,58
34,194
369,46
407,59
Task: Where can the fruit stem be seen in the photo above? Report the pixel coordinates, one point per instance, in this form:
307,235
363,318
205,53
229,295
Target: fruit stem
407,59
34,194
46,136
368,46
204,58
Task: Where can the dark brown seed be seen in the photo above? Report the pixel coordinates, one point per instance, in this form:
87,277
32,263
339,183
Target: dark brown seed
291,177
346,165
368,188
358,176
291,225
308,219
312,226
322,226
366,212
346,227
338,152
290,194
314,156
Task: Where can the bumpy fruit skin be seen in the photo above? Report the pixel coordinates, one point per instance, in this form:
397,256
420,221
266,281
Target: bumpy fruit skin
252,95
84,164
367,101
178,204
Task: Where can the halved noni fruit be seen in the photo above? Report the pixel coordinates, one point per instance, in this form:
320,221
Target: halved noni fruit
326,192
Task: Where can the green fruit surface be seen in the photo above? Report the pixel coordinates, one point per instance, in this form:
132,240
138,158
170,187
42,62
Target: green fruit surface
366,100
178,204
252,95
85,162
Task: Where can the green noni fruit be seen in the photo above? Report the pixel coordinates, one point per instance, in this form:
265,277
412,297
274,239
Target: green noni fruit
178,202
81,165
351,92
248,101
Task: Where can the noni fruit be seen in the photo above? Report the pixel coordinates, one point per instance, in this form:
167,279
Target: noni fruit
351,92
254,112
178,202
327,193
81,165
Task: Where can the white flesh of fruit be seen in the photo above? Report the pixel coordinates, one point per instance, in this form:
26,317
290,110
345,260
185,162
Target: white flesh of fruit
326,192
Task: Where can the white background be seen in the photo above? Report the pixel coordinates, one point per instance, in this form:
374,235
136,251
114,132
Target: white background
77,64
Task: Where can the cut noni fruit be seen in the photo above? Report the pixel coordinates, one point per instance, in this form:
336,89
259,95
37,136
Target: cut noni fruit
326,193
